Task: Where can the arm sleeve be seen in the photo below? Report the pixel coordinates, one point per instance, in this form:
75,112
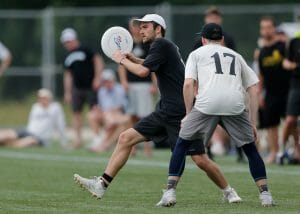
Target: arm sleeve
155,57
191,67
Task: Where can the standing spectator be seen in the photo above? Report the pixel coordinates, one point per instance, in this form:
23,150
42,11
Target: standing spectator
109,113
140,90
274,83
81,78
214,15
45,117
5,58
293,104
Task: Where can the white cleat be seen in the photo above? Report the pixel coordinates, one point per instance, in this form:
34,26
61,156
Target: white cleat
266,199
168,199
94,185
231,196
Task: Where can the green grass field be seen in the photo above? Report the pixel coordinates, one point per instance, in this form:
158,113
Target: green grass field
40,180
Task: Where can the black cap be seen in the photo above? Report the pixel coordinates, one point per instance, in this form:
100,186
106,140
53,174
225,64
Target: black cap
212,31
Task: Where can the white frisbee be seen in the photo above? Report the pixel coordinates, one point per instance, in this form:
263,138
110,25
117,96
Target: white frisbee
116,38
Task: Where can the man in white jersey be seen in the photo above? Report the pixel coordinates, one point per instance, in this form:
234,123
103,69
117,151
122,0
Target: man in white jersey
45,117
223,76
5,58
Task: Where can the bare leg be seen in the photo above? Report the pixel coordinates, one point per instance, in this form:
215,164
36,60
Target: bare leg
24,142
147,149
7,135
273,143
212,170
288,129
127,139
77,128
94,119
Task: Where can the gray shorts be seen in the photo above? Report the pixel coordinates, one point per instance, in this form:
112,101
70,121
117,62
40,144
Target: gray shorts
22,133
141,101
198,125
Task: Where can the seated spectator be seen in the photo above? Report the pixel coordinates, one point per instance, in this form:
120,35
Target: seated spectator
45,117
109,113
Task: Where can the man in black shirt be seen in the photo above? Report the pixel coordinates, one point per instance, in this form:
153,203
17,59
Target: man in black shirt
293,104
213,15
81,78
140,90
165,60
274,83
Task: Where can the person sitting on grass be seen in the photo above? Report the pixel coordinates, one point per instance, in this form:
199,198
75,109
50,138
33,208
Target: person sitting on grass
109,113
45,116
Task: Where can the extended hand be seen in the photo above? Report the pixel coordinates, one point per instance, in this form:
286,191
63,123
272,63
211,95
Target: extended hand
118,56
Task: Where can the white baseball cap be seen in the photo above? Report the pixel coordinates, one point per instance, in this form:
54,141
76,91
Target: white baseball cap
153,18
44,92
108,74
67,35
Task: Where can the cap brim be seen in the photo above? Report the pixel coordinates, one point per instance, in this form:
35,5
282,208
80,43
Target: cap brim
142,20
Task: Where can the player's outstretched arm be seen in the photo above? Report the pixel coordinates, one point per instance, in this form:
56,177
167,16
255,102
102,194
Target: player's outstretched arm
131,66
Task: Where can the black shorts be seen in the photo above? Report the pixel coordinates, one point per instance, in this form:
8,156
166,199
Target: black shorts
22,133
274,110
157,126
293,103
82,96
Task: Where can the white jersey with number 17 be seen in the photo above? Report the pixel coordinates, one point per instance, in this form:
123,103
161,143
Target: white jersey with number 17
223,76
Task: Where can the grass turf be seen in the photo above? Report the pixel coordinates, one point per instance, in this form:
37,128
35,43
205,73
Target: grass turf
39,180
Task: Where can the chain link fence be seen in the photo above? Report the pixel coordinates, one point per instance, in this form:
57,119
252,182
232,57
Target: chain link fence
33,36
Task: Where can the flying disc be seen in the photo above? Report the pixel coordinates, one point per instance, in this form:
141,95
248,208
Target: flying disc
116,38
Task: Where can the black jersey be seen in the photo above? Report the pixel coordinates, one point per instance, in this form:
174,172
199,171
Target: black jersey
140,50
80,63
276,79
294,55
165,60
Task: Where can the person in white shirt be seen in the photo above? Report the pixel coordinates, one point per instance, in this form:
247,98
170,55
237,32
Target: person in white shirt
223,77
5,58
45,117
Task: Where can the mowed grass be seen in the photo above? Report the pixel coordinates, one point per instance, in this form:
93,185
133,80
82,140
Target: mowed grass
40,180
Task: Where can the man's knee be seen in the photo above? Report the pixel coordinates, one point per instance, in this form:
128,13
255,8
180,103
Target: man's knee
129,137
202,161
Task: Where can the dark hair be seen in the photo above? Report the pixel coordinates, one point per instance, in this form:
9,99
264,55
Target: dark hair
213,10
269,18
133,22
163,31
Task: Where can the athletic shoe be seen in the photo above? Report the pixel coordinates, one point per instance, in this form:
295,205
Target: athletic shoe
168,199
231,196
94,185
266,199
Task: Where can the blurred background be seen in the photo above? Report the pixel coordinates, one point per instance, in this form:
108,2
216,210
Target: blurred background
31,31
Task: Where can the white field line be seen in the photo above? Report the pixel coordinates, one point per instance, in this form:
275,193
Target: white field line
148,163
